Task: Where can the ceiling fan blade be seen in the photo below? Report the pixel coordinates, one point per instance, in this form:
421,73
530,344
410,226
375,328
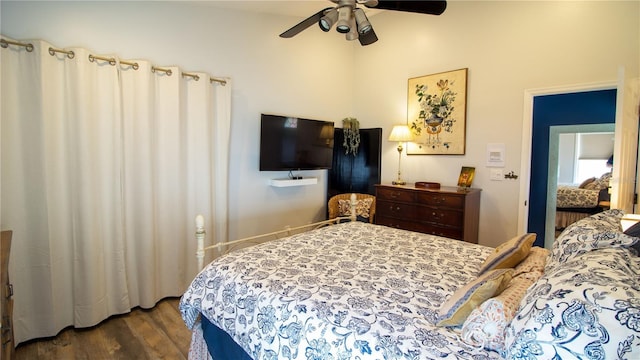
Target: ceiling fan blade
368,38
432,7
296,29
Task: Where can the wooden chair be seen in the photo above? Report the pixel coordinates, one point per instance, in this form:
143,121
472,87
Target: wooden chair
334,208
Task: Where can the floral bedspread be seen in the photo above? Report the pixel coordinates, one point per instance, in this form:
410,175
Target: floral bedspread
348,291
588,309
575,197
586,305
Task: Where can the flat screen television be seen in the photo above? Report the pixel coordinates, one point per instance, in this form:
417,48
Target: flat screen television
291,143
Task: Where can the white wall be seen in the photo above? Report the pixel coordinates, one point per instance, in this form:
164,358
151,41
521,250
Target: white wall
507,46
566,158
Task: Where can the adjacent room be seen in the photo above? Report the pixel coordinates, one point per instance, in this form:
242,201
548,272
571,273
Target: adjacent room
136,133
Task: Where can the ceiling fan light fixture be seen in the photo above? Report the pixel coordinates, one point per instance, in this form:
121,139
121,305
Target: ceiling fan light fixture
353,32
364,26
343,25
329,18
349,18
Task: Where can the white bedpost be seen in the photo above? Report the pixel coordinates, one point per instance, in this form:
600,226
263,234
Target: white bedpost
200,239
354,203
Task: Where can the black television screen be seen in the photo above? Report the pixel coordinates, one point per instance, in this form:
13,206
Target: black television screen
290,143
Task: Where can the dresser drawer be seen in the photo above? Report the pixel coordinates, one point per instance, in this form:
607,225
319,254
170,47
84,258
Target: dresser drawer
394,195
420,227
441,199
399,223
441,216
445,232
397,210
448,211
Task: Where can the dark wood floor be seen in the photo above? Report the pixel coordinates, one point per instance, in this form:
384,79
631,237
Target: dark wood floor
158,333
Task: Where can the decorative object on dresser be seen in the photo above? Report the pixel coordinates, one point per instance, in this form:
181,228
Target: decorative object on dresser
400,133
446,211
427,185
6,308
466,177
436,113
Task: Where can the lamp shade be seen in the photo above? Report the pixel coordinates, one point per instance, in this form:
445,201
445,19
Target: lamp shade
326,132
401,133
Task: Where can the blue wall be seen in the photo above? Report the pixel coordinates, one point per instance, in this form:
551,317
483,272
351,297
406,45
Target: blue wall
592,107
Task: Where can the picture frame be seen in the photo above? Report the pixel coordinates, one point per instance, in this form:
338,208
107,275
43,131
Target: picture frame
466,177
436,113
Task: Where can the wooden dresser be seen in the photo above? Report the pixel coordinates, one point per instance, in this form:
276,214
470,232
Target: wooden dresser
6,303
447,211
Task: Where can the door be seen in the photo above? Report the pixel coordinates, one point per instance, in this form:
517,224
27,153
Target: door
623,181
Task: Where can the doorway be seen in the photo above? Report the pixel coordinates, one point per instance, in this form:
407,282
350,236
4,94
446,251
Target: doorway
555,162
573,108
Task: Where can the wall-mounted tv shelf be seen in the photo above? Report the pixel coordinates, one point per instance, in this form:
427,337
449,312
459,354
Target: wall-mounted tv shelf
293,182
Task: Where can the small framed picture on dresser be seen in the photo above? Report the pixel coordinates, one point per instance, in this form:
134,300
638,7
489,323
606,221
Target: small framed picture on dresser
466,177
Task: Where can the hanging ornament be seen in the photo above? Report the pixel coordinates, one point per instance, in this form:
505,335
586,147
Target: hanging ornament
351,128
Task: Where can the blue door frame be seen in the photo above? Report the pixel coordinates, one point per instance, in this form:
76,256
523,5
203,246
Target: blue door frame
589,107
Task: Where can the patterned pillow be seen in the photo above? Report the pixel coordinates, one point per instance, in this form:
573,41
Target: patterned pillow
509,254
588,181
600,183
485,327
362,207
588,308
599,231
594,185
533,264
634,230
456,309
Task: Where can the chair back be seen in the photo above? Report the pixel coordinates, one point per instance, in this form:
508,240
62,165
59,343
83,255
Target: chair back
334,209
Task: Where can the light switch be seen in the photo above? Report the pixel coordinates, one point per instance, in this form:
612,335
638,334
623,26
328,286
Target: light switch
495,155
496,174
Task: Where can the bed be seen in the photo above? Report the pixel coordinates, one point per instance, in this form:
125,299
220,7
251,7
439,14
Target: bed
363,291
575,202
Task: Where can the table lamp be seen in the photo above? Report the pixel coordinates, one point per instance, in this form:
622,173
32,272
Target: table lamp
400,133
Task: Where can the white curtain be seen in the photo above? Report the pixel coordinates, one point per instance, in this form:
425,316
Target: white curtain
104,168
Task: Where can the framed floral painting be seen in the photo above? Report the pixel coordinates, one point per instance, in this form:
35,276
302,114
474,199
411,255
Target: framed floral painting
436,113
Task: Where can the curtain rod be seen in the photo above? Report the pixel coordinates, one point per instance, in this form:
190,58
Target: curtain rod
5,44
196,78
70,54
112,61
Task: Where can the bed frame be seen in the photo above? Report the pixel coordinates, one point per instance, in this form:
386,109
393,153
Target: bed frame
200,233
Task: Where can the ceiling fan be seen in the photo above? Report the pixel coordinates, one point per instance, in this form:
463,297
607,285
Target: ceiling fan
352,21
